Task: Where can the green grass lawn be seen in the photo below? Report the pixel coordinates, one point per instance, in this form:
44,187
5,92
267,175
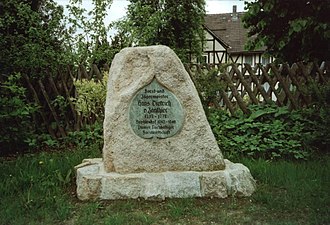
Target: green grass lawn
40,189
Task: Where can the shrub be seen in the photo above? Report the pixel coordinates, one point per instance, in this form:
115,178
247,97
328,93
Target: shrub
317,117
209,85
15,115
269,132
90,100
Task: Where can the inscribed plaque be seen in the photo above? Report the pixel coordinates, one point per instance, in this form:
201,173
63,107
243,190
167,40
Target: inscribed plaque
155,112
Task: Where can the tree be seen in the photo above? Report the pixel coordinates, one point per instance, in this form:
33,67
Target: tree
28,35
87,34
290,30
175,23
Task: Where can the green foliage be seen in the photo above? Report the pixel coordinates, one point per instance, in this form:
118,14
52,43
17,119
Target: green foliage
209,85
64,178
36,35
317,118
90,100
269,132
86,36
177,24
29,36
88,135
42,141
292,30
15,115
61,104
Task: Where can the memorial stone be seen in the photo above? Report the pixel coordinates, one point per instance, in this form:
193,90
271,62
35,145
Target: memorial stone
154,120
157,141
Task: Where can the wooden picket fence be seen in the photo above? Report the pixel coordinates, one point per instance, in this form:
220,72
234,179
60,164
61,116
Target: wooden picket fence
237,85
234,87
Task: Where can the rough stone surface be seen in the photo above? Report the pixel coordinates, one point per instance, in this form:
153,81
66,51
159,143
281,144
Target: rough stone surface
239,173
182,184
193,148
95,183
89,179
214,184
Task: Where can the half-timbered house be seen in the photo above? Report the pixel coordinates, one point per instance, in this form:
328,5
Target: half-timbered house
226,38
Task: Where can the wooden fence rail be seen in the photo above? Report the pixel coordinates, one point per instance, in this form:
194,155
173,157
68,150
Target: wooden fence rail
237,86
229,87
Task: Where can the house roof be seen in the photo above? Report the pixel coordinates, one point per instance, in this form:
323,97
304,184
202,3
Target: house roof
228,27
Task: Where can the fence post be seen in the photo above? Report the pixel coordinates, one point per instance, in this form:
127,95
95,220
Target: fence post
43,90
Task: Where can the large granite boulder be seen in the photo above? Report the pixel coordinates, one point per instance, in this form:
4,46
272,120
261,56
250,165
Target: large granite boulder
154,120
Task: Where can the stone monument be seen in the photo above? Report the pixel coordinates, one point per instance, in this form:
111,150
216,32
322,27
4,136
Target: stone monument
157,141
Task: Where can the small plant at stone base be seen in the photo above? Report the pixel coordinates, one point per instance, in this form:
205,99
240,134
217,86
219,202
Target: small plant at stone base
269,132
89,134
64,178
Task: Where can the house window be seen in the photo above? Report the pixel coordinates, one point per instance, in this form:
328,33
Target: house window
248,59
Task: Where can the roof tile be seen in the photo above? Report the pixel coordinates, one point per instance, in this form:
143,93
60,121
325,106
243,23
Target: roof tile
229,28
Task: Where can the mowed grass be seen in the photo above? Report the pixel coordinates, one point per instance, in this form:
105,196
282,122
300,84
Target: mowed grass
40,189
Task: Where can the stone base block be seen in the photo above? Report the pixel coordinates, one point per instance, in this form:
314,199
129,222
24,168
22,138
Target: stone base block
94,183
